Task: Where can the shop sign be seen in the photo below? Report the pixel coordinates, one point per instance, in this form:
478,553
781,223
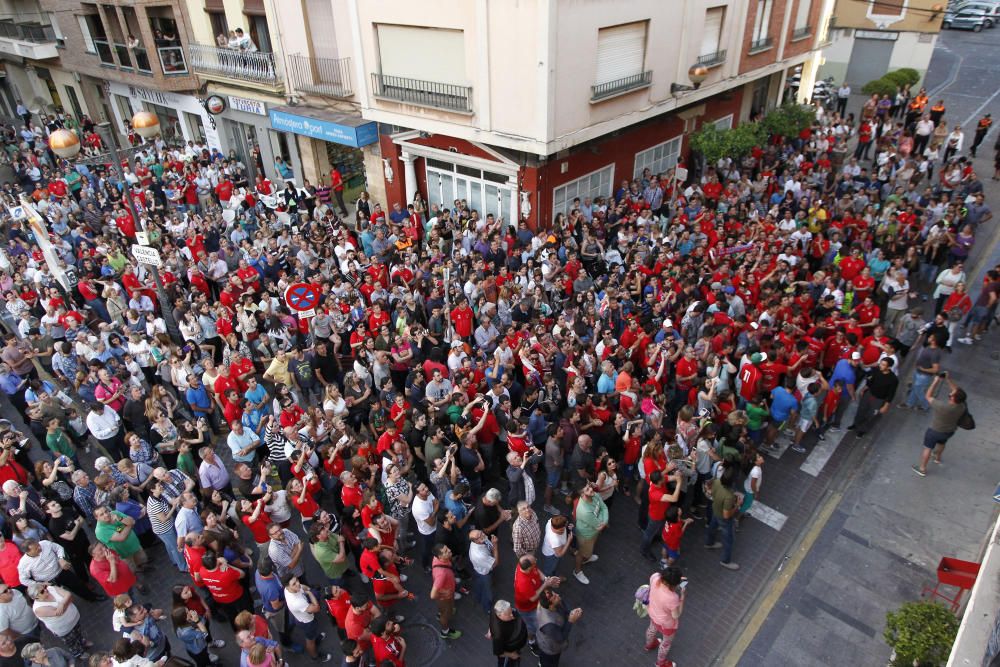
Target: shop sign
247,106
889,36
348,135
152,96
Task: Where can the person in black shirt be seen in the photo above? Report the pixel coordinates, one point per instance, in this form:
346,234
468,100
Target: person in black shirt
876,397
66,526
508,632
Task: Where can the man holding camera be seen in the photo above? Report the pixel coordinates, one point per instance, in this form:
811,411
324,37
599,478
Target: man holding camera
945,416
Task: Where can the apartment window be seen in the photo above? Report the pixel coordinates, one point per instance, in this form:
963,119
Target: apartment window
319,16
621,52
802,15
887,7
724,123
74,101
219,24
424,54
762,21
259,33
593,185
88,39
711,35
659,158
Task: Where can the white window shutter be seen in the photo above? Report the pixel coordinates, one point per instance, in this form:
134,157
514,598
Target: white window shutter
621,52
802,14
88,39
711,35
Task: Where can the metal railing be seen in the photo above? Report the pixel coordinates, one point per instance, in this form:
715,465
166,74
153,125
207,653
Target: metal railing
172,60
322,76
761,44
712,59
104,51
801,33
254,66
425,93
27,32
618,86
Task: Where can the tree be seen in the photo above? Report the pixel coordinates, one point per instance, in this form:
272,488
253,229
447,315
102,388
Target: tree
880,87
921,633
735,143
788,120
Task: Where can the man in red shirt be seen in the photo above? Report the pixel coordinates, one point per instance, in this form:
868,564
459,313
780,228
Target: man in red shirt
461,319
660,500
751,375
223,582
112,573
224,190
358,620
529,585
337,185
388,646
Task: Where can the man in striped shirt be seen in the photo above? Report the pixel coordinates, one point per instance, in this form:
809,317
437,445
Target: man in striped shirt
285,551
161,516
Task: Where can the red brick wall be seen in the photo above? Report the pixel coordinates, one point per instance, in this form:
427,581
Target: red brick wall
395,191
778,8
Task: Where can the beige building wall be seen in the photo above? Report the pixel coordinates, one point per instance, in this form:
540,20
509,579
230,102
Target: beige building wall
914,15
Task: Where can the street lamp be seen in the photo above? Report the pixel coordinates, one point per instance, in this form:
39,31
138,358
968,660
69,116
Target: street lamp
697,74
66,144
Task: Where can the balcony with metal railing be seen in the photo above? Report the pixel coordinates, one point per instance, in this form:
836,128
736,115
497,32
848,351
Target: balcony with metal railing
447,96
713,59
603,91
329,77
35,40
250,66
760,45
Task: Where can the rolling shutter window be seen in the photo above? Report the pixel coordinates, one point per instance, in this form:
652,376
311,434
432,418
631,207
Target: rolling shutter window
711,36
88,39
802,14
762,22
621,51
427,54
319,14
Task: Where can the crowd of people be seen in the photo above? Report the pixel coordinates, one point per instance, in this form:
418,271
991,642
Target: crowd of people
468,400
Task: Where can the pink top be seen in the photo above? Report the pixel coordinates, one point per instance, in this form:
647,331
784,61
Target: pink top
662,604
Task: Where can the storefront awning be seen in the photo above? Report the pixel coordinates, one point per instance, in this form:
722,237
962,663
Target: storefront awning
338,128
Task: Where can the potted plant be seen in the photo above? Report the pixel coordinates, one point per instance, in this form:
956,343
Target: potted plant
920,634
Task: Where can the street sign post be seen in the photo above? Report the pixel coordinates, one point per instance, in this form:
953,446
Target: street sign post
147,255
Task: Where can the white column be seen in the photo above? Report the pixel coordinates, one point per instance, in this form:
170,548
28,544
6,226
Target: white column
409,177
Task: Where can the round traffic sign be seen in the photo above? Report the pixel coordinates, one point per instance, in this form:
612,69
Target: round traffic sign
302,296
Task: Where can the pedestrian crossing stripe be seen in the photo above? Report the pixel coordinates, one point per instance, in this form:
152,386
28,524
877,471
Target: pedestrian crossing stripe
820,454
767,515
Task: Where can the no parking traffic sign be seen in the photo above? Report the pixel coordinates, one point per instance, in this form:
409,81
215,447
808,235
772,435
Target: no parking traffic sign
302,296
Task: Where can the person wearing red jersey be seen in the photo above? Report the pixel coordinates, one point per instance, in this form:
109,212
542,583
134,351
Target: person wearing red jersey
224,191
224,582
750,376
388,646
462,319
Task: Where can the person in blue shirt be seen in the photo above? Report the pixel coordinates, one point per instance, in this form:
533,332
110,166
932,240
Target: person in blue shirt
200,402
606,383
784,407
846,371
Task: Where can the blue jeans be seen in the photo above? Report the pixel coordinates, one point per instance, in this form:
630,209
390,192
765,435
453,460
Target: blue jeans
726,526
169,540
549,565
916,398
649,535
482,591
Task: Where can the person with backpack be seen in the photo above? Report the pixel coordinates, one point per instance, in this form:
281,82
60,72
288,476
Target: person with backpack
946,418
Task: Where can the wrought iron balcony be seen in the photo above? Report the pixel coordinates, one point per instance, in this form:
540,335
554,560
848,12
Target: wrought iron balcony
446,96
623,85
762,44
712,59
330,77
801,33
252,66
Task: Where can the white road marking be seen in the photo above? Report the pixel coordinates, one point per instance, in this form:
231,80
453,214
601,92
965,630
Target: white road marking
767,515
975,114
821,453
783,442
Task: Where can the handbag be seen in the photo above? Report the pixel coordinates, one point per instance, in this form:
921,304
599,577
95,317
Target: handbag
955,314
966,421
641,601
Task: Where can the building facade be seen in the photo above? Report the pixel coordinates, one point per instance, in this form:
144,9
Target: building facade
870,37
518,108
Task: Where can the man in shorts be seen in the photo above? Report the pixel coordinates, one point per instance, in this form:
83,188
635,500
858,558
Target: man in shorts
303,606
945,416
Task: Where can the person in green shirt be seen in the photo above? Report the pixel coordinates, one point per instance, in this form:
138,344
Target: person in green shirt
757,412
114,530
591,518
74,180
330,551
58,442
724,508
185,460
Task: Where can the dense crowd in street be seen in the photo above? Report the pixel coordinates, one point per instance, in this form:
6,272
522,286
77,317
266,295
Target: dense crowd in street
469,397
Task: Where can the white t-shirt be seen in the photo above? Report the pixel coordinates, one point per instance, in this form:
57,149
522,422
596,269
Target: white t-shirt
553,540
297,604
422,510
757,474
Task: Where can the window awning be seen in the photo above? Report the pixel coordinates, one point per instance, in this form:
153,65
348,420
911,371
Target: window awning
338,128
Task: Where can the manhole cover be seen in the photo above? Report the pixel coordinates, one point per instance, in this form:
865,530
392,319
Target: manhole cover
423,643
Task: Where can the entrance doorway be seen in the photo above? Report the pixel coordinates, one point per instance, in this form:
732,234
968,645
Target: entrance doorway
483,191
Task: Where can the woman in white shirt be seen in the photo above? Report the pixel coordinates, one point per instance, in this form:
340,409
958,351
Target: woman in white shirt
55,609
555,544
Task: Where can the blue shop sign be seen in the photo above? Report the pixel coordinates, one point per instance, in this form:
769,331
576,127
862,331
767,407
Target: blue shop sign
346,132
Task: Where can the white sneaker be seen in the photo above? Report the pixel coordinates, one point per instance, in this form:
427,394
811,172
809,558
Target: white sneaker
965,341
403,578
581,577
593,558
458,596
